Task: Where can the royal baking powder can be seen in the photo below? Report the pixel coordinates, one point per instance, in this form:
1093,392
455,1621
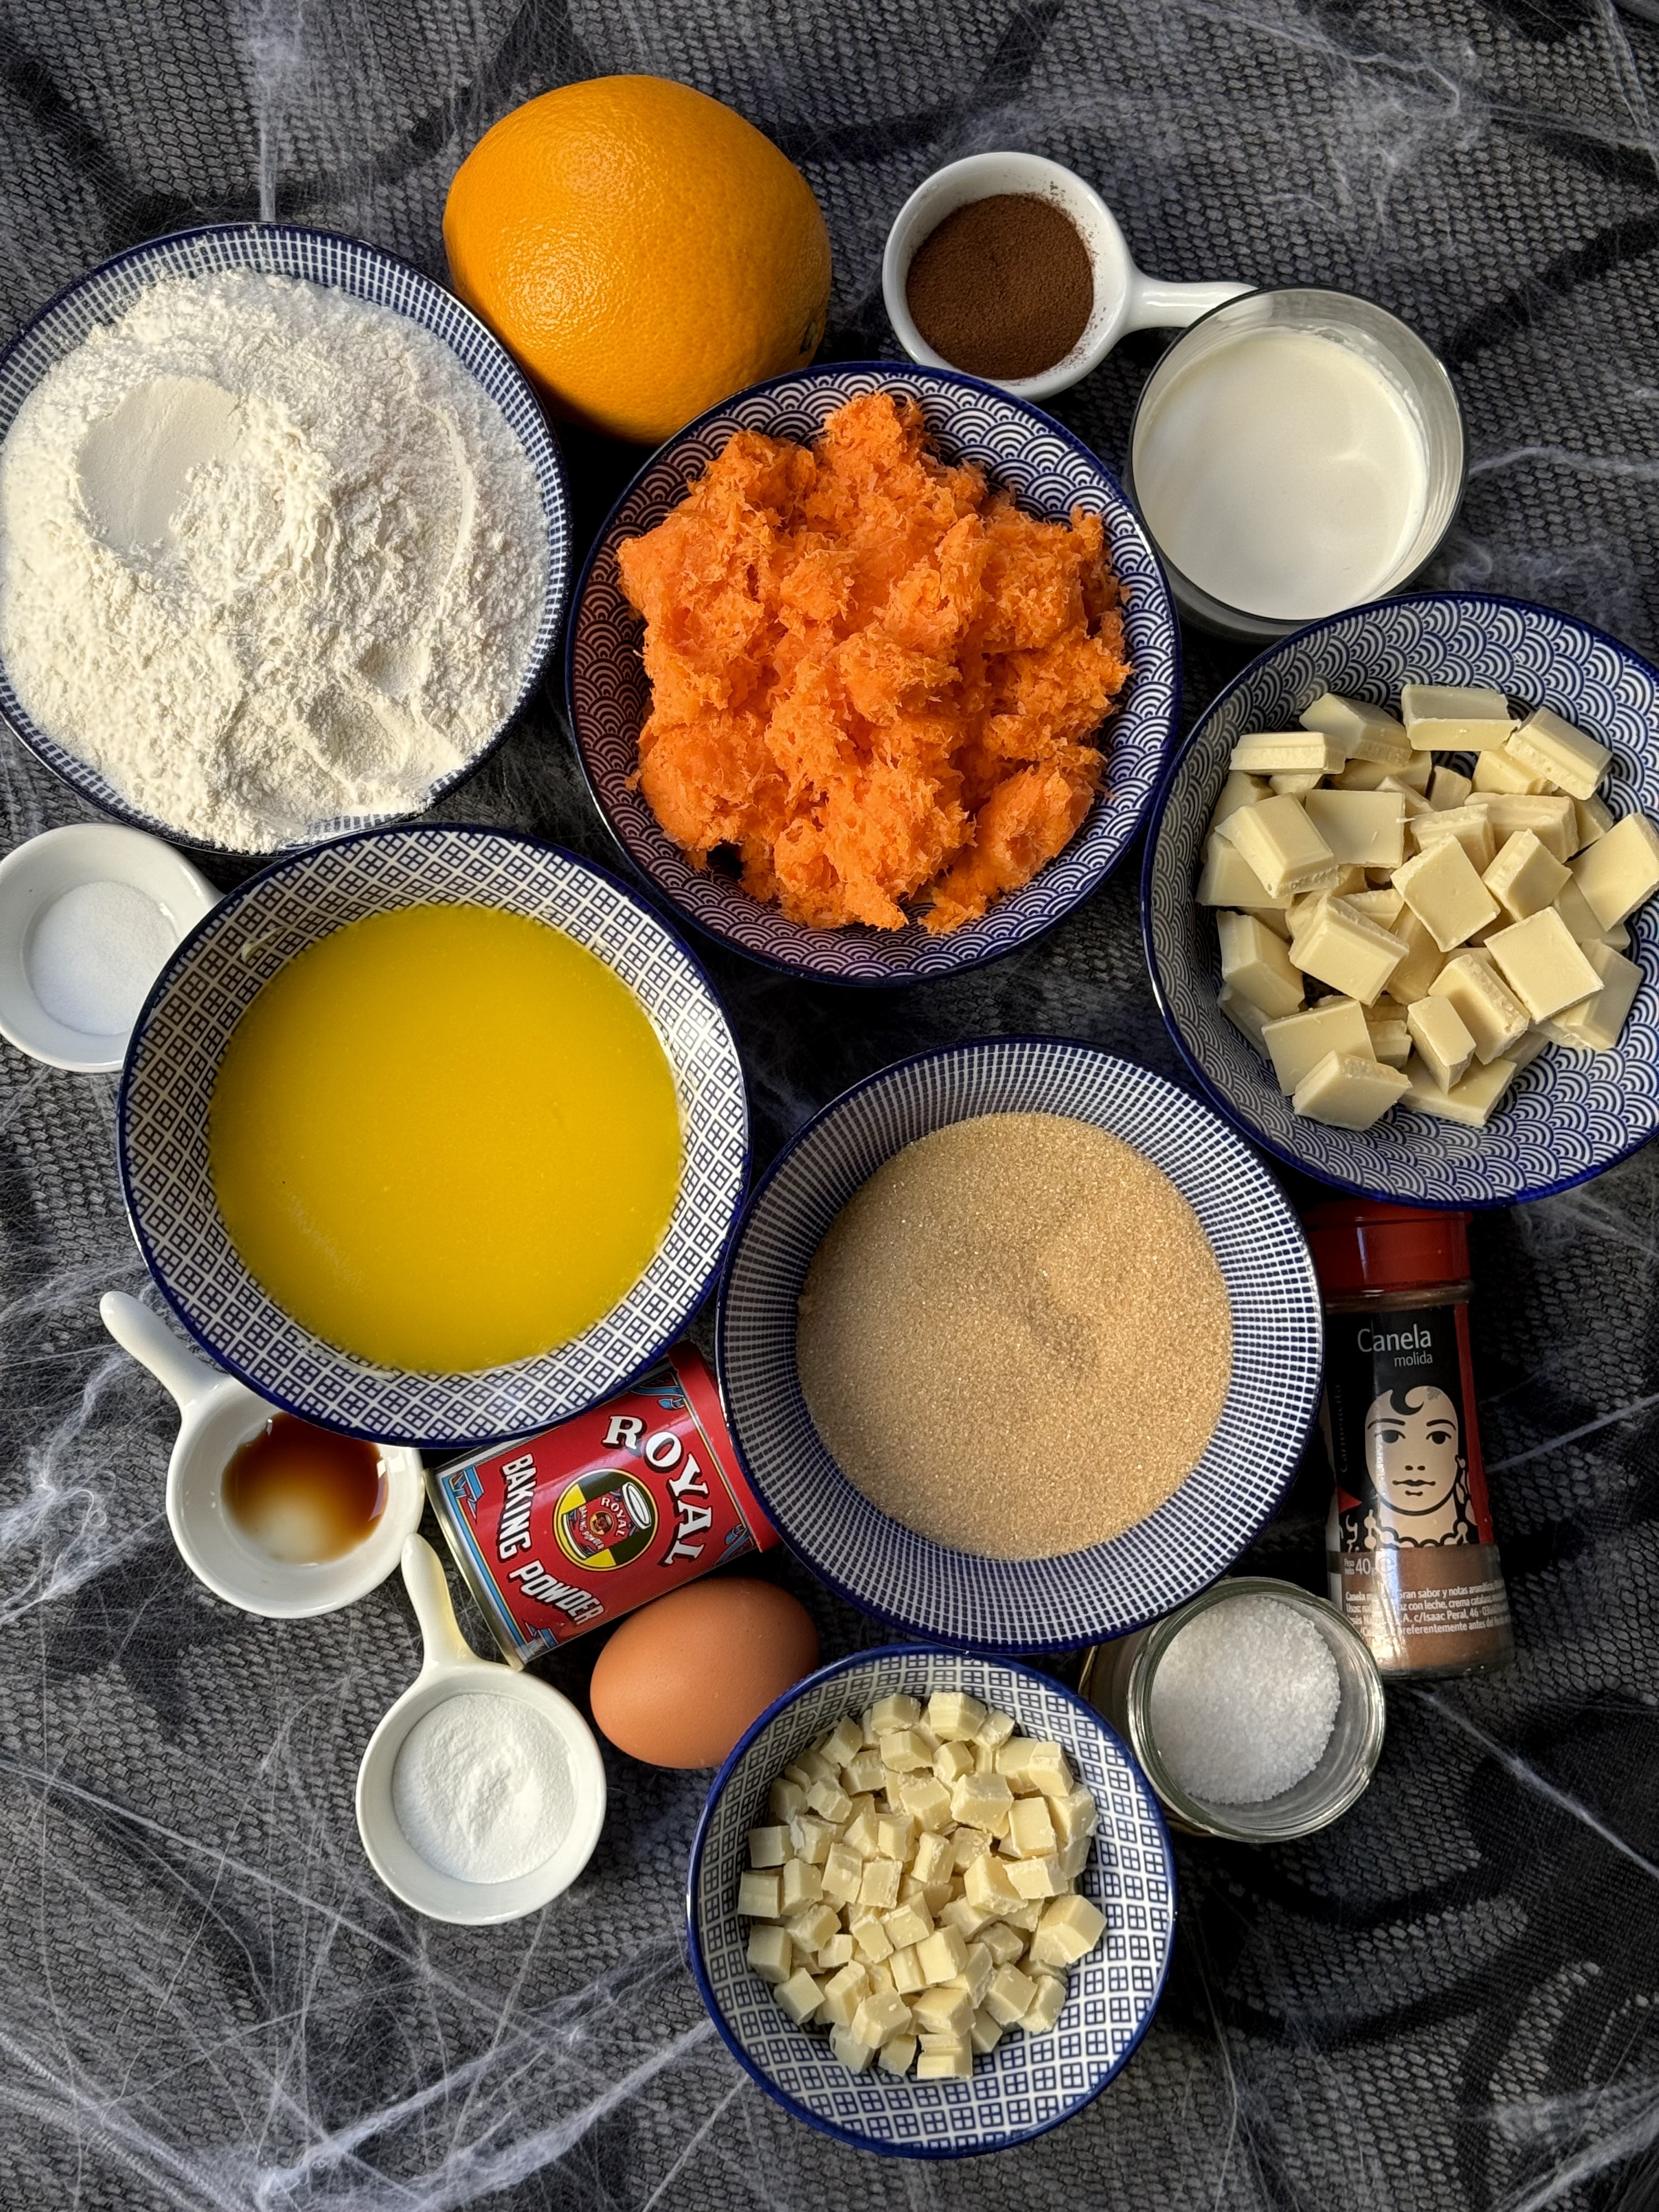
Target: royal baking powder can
1410,1553
559,1532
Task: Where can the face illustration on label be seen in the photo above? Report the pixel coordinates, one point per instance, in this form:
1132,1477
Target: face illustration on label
1412,1455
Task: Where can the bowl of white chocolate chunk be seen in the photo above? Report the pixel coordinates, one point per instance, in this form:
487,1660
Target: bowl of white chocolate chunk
931,1902
1398,900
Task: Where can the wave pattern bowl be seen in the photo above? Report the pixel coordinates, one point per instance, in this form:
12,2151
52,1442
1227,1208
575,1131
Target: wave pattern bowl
1029,2083
1021,450
361,272
173,1062
1570,1115
1072,1598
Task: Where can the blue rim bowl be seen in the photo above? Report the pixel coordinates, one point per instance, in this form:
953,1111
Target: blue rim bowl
362,272
1570,1115
1072,1598
1022,450
1027,2084
173,1060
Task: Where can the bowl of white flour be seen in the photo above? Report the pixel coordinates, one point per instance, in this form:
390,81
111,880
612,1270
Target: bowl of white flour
284,538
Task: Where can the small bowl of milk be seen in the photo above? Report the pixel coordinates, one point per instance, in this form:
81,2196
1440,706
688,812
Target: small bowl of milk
1294,452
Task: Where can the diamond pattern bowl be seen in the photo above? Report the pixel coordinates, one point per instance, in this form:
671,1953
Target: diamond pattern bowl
1076,1597
167,1085
1021,450
1029,2083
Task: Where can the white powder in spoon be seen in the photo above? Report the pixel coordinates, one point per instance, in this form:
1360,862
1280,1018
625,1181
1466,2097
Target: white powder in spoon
482,1788
270,559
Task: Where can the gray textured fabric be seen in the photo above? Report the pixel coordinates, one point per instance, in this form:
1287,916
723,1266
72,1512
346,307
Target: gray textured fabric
1448,2001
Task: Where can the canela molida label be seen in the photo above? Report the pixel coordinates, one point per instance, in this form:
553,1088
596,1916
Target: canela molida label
1411,1558
566,1530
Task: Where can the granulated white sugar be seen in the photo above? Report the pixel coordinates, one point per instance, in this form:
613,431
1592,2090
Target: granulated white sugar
94,953
1243,1701
1015,1337
482,1788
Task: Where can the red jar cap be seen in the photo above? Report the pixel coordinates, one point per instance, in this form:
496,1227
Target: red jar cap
1357,1245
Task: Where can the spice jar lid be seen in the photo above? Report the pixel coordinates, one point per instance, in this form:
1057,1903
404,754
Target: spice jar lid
1357,1245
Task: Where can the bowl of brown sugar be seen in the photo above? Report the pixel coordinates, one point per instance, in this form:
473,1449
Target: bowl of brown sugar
1020,1345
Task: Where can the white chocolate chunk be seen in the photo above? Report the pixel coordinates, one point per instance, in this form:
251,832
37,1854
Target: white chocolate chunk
864,1770
1543,964
768,1847
1277,752
1279,844
1030,1828
771,1953
854,2053
906,1970
1010,1993
987,1884
933,1858
871,1941
814,1926
1437,1031
1448,789
889,1714
983,1801
1005,1945
1470,825
758,1896
1422,964
1237,790
800,1996
1551,820
1593,818
802,1885
942,1955
1248,1018
1525,878
880,2017
1391,1041
1363,828
842,1740
1382,906
1472,1102
943,2010
1075,1856
1341,948
967,1917
859,1835
909,1921
784,1799
905,1751
985,2032
1453,718
976,1971
1443,891
1046,2007
1366,731
954,1717
831,1801
1497,771
1347,1092
898,2056
1594,1025
952,1761
879,1886
1620,869
1574,910
843,1870
946,2059
995,1730
1295,786
1068,1931
1039,1877
1296,1043
1489,1010
844,1993
837,1953
1571,758
1416,806
895,1838
1075,1815
811,1837
927,1800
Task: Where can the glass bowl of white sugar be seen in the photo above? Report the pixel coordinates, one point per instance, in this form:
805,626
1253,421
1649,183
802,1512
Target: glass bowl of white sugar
284,538
1256,1710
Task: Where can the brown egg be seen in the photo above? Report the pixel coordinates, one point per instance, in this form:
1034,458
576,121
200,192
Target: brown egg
683,1678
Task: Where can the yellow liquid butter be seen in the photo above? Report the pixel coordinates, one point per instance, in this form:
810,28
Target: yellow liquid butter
444,1138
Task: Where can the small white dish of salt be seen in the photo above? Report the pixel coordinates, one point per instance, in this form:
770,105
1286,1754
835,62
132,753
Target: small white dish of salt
1255,1710
482,1794
89,916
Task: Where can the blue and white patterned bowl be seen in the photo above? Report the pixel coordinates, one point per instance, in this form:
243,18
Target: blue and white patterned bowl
1075,1597
1029,2083
1570,1115
362,272
1021,450
174,1060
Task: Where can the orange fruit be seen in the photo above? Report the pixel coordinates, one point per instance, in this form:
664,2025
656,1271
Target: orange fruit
640,250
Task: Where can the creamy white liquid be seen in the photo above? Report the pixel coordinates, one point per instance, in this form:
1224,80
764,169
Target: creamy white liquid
1283,474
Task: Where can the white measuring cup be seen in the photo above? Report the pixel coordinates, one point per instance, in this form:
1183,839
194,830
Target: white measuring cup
452,1668
217,1413
1126,298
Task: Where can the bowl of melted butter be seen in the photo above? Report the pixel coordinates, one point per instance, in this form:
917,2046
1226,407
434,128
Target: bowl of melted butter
433,1134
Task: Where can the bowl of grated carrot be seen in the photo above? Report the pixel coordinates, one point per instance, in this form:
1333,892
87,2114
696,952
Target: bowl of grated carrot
872,671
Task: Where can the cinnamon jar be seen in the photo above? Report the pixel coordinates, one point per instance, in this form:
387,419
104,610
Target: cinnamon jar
1410,1553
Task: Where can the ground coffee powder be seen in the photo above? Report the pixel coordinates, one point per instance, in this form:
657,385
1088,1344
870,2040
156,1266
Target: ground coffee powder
1004,287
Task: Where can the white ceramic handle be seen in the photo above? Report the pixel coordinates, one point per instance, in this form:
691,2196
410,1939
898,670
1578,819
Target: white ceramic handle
153,1344
1154,305
428,1592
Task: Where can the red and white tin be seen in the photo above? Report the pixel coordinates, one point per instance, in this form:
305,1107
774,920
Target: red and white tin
557,1533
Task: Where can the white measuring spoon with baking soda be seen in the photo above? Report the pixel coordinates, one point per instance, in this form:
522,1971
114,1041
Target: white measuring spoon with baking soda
482,1793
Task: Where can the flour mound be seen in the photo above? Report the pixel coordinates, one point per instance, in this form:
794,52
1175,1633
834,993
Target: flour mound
270,559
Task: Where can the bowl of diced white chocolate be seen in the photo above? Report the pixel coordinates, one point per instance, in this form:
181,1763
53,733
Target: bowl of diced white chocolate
931,1902
1396,899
